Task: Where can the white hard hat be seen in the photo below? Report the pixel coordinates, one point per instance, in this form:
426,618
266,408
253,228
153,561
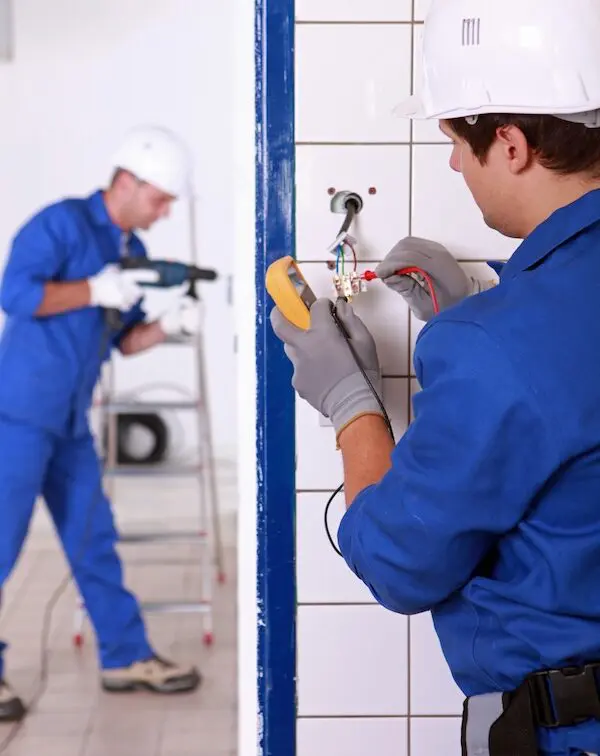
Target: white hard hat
157,156
515,56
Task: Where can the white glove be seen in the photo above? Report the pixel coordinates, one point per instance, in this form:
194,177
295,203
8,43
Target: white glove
183,318
158,301
118,289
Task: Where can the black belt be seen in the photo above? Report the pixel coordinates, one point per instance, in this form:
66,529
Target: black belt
551,698
565,697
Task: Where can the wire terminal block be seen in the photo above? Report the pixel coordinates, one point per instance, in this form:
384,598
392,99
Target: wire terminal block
348,285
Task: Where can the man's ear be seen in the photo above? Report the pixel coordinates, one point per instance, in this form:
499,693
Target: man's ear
515,148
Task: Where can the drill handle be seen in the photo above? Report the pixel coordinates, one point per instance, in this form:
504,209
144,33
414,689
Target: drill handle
133,263
113,319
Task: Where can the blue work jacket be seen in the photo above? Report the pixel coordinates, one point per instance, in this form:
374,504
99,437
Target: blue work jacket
50,365
490,514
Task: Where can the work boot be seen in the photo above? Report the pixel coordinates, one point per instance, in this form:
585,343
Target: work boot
156,675
12,708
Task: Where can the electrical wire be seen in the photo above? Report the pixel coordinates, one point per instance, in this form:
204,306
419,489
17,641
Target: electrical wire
348,243
352,208
57,594
182,455
412,271
132,397
340,256
370,275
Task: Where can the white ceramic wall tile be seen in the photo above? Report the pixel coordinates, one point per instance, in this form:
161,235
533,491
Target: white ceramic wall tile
359,168
335,103
353,10
318,464
456,220
352,737
322,575
421,9
482,271
434,737
423,131
384,312
352,661
433,691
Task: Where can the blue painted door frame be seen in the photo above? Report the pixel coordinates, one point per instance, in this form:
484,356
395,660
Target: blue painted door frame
276,497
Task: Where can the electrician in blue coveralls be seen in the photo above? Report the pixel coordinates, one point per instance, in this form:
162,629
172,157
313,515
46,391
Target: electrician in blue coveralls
487,511
60,275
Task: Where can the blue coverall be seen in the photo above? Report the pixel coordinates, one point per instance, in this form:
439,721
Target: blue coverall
48,369
490,514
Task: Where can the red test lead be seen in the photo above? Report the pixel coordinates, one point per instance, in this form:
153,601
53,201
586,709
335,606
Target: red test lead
370,275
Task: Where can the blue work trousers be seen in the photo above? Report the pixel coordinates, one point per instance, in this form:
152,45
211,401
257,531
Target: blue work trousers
66,471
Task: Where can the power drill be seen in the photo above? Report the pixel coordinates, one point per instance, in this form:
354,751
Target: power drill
171,273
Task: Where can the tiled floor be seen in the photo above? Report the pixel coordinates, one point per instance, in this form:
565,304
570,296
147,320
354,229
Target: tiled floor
75,718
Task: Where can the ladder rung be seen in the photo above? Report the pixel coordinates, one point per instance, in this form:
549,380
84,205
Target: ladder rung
148,406
176,607
179,340
155,471
165,535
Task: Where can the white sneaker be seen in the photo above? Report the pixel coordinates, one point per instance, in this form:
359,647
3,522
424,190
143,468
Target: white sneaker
154,674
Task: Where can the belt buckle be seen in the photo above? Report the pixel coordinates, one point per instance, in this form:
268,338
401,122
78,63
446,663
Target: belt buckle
565,697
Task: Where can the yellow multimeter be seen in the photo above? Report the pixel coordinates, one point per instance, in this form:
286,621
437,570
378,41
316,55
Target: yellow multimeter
290,292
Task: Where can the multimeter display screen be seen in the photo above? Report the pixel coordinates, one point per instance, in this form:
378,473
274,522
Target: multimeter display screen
304,291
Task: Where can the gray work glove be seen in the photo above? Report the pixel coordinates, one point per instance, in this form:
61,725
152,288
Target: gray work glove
325,372
450,281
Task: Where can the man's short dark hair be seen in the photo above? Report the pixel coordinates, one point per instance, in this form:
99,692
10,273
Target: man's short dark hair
561,146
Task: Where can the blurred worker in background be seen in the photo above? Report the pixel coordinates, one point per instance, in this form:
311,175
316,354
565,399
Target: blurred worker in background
487,511
60,276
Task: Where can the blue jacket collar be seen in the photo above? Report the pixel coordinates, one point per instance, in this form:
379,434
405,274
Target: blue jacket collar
562,225
98,211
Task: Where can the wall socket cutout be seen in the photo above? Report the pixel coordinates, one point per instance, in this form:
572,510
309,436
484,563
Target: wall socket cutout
339,202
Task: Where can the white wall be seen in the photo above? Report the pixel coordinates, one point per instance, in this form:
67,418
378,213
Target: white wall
245,307
369,681
84,73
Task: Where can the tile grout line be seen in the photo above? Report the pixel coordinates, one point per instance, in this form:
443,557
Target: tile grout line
87,733
380,716
407,22
369,261
400,143
338,604
409,346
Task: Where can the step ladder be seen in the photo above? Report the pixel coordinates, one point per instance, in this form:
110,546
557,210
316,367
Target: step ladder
208,533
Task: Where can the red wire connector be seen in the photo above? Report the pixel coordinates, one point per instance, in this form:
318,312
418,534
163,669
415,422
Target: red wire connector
370,275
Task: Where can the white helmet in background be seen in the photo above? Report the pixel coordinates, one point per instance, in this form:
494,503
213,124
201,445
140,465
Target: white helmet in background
510,56
157,156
